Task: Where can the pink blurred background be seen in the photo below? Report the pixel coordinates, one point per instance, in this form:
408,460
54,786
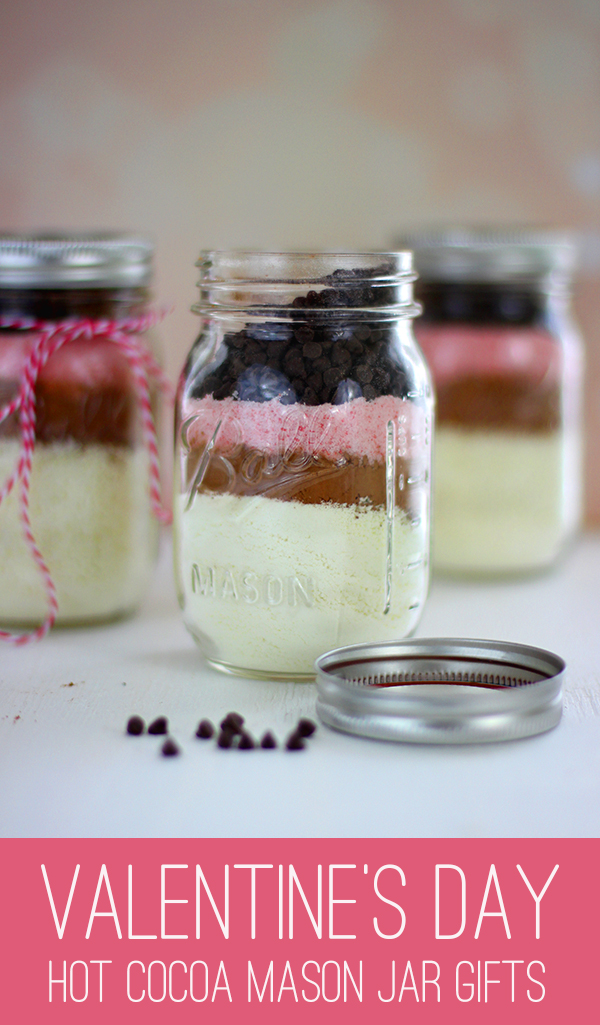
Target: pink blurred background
304,124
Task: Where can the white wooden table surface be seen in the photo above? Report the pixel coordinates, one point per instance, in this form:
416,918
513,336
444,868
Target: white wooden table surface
68,769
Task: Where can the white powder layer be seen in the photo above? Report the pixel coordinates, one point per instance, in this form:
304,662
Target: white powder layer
90,516
278,583
499,500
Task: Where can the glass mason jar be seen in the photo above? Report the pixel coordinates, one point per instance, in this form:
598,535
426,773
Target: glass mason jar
302,489
506,365
89,496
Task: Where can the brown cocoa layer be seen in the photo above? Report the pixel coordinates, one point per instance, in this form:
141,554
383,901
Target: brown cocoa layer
104,415
309,479
499,403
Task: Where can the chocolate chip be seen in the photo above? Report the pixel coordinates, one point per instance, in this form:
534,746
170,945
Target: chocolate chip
205,729
311,350
238,365
304,334
246,742
306,727
254,353
268,741
170,748
295,367
332,377
355,347
276,349
339,352
295,742
135,725
381,379
233,722
210,383
225,738
159,726
363,373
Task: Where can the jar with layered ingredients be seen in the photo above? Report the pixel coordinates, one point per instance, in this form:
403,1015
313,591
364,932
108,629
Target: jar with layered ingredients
506,362
88,495
303,459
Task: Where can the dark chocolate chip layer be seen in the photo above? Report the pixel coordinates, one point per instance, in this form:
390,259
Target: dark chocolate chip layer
315,355
478,303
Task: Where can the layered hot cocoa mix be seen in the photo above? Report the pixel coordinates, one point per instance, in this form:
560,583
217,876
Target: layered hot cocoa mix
293,453
500,445
302,520
88,501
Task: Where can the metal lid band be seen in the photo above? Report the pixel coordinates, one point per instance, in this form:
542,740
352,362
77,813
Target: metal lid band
440,690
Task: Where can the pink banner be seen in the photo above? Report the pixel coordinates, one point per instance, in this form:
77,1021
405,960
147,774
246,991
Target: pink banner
299,930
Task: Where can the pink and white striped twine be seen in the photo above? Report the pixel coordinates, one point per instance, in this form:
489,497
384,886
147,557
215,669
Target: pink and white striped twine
50,337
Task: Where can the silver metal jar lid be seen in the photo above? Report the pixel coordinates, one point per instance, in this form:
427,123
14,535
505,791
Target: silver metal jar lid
440,690
55,260
492,255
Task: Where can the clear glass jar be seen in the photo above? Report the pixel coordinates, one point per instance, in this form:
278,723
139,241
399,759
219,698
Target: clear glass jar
89,495
302,490
506,365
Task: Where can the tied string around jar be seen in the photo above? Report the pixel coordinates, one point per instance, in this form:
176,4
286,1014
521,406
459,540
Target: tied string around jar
49,338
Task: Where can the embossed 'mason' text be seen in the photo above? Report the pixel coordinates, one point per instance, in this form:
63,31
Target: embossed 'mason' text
252,588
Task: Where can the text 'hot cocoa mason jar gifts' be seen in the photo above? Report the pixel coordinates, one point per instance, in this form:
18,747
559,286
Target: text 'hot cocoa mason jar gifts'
303,433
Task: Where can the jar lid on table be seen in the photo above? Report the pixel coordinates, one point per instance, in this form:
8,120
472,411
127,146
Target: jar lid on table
92,260
440,690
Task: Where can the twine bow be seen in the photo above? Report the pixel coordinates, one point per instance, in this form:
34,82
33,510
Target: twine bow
50,337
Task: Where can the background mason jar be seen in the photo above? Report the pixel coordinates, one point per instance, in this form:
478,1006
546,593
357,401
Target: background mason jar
506,364
302,472
89,496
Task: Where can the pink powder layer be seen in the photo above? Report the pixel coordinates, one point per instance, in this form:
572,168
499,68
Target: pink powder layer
357,428
464,351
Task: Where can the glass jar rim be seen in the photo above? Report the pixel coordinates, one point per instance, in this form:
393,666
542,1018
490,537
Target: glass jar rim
259,265
233,280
